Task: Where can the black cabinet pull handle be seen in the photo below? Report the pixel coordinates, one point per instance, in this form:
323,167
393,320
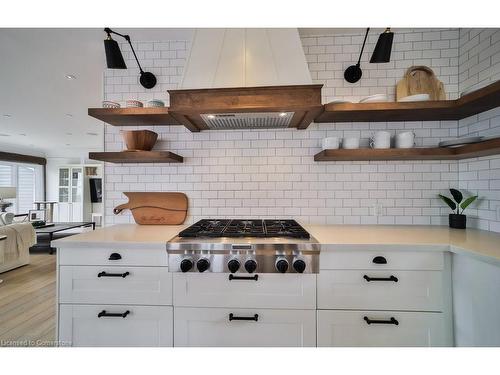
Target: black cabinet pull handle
113,315
254,277
379,260
390,278
105,274
254,318
115,256
392,320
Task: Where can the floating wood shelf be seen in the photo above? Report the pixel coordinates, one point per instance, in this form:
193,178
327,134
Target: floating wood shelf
134,116
486,148
137,157
476,102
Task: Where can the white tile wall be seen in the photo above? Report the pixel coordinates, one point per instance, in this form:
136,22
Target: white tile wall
265,174
480,62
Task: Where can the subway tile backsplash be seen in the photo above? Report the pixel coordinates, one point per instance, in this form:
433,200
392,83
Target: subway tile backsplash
271,173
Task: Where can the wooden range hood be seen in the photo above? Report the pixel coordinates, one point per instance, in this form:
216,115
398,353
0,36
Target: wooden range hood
294,106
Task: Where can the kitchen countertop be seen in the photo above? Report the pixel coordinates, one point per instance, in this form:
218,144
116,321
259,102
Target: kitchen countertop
479,244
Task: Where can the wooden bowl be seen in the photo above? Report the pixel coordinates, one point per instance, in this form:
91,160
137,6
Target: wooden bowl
139,140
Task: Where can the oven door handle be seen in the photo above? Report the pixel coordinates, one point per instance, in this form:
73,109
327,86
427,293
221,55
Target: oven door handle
254,277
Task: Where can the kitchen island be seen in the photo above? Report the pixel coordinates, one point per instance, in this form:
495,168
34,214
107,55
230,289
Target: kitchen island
428,297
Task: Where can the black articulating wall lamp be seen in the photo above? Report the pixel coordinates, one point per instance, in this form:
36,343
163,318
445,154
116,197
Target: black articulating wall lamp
381,54
114,58
382,51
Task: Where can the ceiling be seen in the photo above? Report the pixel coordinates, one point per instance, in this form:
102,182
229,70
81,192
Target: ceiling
44,112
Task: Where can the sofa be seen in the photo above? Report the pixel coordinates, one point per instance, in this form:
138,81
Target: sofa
14,247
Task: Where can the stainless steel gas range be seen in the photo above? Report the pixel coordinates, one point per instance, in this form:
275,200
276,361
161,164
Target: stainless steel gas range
244,248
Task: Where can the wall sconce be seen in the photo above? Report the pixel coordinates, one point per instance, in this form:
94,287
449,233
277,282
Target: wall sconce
114,58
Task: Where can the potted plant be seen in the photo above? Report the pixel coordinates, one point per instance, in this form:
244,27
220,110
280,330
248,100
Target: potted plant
458,205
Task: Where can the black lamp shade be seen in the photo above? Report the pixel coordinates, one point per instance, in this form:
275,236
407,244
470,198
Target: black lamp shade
382,52
114,58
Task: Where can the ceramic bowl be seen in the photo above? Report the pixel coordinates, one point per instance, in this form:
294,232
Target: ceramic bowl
110,104
134,104
155,103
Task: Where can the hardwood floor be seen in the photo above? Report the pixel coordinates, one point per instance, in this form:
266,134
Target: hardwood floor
28,303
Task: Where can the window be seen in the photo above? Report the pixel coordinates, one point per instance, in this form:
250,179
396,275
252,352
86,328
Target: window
28,180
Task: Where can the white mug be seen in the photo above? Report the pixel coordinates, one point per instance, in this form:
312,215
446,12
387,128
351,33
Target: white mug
405,140
350,142
381,139
330,143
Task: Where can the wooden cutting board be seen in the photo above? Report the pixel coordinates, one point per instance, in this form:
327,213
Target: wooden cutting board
155,208
420,80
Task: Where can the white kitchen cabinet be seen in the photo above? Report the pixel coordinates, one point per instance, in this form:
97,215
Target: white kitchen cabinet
103,284
271,327
293,291
380,290
80,325
349,328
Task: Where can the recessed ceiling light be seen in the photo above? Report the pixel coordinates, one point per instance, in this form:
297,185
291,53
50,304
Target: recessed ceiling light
68,144
4,135
90,133
69,115
70,77
282,114
7,115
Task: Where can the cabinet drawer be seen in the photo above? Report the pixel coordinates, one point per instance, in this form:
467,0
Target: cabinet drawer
79,325
413,290
349,328
294,291
212,327
102,284
110,257
332,258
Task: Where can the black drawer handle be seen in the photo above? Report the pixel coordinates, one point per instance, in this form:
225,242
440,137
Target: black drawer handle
105,274
374,321
254,277
115,256
254,318
379,260
390,278
113,315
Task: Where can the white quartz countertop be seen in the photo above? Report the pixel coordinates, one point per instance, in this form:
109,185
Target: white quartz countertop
480,244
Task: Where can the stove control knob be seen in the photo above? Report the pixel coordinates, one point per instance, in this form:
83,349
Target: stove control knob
203,264
281,265
186,264
250,265
233,265
299,265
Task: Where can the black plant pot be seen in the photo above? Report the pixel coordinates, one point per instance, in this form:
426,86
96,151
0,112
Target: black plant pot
458,221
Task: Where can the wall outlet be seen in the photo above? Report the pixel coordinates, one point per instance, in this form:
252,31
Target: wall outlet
376,209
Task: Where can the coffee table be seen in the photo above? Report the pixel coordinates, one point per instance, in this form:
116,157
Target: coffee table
50,229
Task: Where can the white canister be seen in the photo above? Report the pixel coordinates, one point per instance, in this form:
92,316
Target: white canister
381,139
405,140
350,142
330,143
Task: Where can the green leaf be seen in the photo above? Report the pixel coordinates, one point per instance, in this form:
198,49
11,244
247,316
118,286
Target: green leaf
467,202
448,201
457,195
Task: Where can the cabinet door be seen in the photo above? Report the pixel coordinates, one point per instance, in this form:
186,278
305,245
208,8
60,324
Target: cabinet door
213,327
99,284
80,325
294,291
350,328
63,212
76,212
380,290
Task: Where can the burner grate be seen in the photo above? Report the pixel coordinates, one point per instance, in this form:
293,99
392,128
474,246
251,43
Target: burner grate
245,228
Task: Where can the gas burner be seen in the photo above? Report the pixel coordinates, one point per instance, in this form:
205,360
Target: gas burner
245,228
